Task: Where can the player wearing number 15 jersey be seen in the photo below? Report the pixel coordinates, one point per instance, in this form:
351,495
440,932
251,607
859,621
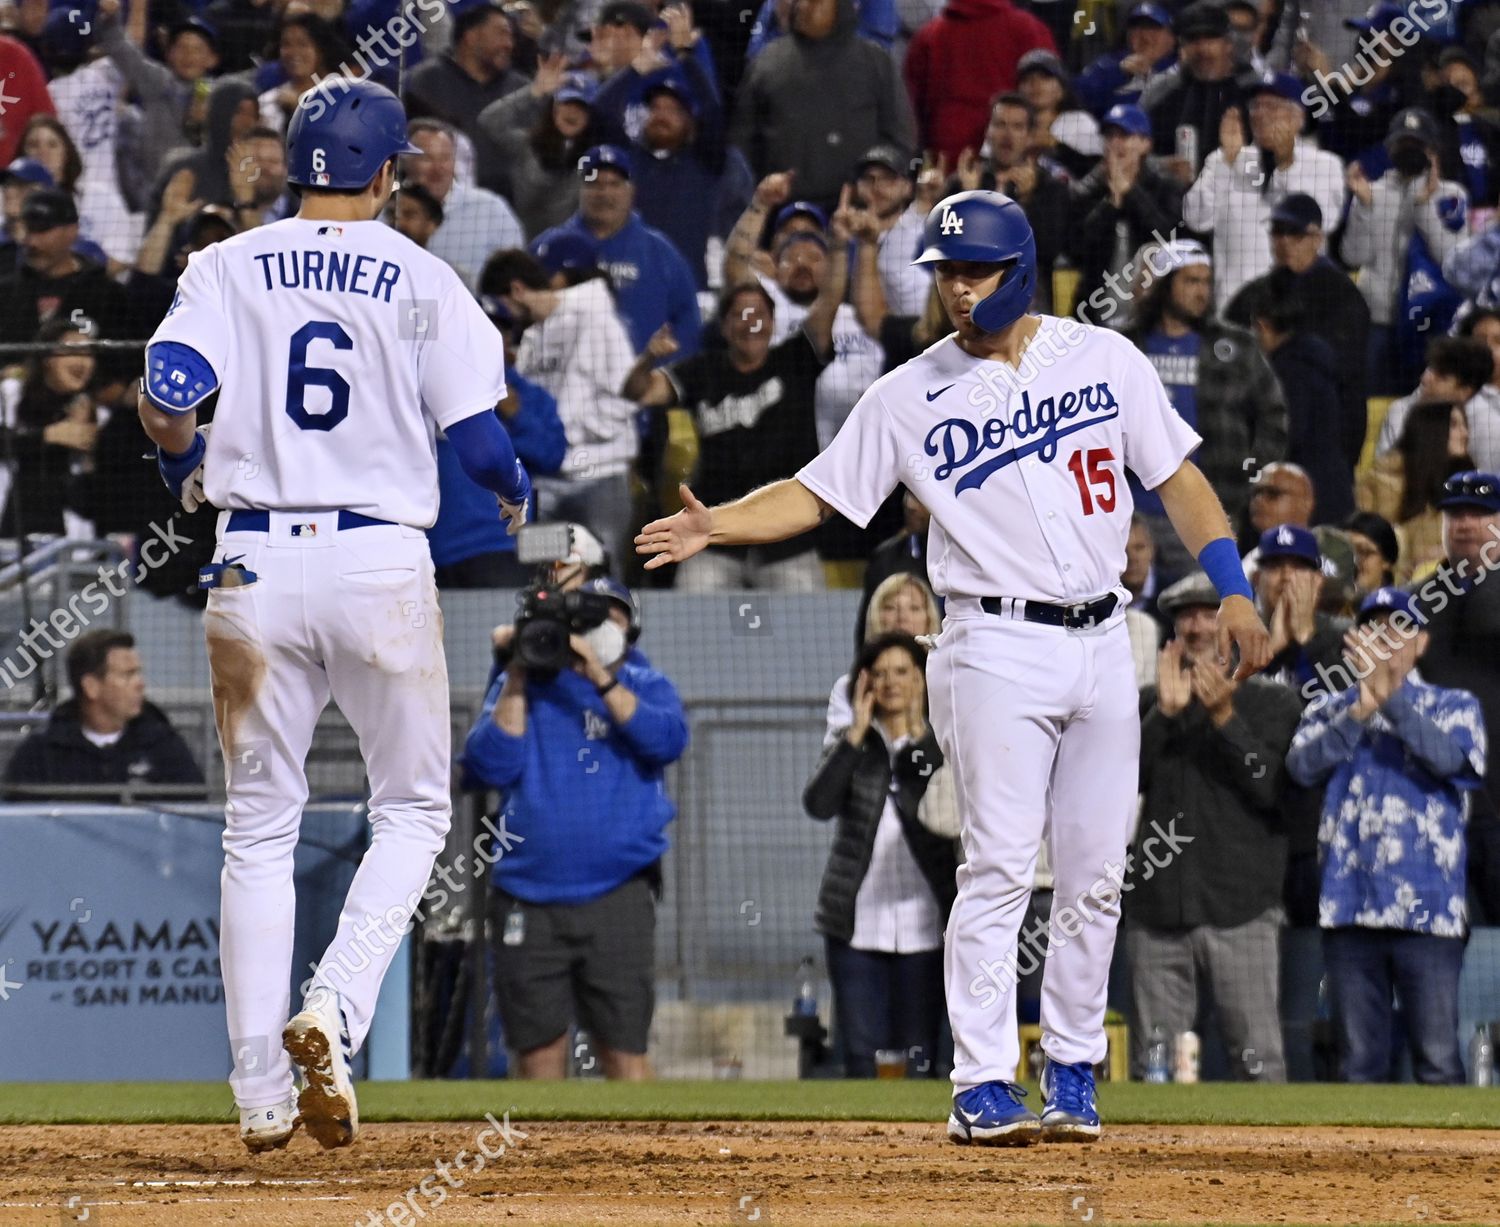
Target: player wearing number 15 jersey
335,347
1015,432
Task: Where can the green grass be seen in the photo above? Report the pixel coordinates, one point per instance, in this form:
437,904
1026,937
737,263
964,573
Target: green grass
1123,1104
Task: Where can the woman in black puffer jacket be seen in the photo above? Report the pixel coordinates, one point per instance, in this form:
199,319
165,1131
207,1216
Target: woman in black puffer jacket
889,884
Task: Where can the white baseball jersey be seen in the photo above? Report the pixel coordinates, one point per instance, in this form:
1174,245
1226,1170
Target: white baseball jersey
88,104
857,362
581,354
1023,471
337,347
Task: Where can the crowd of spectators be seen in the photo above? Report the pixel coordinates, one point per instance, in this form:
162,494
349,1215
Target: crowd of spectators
694,224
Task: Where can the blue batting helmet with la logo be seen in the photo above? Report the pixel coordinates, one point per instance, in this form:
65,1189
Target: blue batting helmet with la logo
986,228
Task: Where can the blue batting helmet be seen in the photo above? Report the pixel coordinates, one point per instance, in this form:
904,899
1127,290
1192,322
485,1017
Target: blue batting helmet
608,586
342,133
988,228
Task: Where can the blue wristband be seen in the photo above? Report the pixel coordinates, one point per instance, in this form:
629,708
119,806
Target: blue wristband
1221,563
177,467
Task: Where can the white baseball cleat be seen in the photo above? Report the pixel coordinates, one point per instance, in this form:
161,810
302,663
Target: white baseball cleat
270,1127
318,1043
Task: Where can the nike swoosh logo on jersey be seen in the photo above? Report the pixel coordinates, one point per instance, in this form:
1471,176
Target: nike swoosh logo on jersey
932,396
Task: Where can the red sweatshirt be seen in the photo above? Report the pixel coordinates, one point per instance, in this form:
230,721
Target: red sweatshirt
961,59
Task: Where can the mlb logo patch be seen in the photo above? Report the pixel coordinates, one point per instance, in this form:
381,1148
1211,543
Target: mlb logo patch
321,180
336,231
304,530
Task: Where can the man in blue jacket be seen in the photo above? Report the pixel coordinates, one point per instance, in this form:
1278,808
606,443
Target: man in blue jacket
653,284
580,758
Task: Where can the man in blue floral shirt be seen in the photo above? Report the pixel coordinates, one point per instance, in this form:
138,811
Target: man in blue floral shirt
1399,756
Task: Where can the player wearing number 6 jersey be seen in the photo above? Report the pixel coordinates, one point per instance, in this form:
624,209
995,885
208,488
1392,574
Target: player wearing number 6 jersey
335,346
1015,432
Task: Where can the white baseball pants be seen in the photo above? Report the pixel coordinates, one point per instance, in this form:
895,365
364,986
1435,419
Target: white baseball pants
1041,727
351,615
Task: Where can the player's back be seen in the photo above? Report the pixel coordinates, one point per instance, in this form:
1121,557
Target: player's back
339,334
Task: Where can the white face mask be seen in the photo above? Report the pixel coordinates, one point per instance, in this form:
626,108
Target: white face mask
606,641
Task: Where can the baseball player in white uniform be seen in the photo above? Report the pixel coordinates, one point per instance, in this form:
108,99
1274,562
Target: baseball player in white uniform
1015,432
335,346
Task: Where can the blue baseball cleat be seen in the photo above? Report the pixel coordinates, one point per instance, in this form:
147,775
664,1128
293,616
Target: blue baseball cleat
1068,1112
992,1114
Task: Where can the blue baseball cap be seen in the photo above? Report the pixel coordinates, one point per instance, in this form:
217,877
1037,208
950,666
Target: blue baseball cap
677,87
1471,488
575,89
1379,16
1282,84
28,170
567,250
1127,117
1290,541
608,585
1149,14
1388,601
604,157
801,208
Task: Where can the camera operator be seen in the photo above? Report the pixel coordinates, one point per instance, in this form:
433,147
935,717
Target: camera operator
577,731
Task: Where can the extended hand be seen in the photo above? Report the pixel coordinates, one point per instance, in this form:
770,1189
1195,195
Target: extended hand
1215,690
1239,626
676,538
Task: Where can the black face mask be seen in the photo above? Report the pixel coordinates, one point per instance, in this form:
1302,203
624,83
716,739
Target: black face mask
1409,160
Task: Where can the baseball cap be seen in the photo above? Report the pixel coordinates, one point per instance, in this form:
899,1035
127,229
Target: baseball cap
1297,212
211,214
567,250
1378,16
1248,5
889,156
1202,20
626,13
49,208
194,25
604,157
1041,60
1290,541
1413,123
1127,117
1388,601
1190,590
801,208
608,585
28,170
1471,488
1182,253
575,89
677,87
1148,14
1282,84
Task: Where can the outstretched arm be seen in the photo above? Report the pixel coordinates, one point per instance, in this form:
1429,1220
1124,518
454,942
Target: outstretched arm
775,512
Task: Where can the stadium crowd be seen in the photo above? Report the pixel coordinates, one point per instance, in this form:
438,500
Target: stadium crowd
694,227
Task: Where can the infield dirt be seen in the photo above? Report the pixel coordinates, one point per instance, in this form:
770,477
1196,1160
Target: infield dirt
565,1174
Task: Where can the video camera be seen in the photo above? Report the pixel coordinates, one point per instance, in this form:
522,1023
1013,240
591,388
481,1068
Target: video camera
548,617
